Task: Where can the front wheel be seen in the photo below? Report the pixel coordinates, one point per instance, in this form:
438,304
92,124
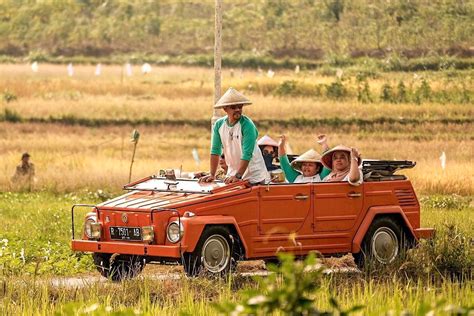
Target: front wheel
383,243
118,267
213,254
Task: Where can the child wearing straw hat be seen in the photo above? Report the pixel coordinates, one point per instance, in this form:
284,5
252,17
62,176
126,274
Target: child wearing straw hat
235,135
306,168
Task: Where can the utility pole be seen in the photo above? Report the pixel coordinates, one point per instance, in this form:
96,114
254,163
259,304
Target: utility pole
217,58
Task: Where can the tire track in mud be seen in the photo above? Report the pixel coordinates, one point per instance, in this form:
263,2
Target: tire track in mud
85,281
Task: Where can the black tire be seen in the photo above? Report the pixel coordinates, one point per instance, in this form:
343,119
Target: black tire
273,261
118,267
384,243
214,255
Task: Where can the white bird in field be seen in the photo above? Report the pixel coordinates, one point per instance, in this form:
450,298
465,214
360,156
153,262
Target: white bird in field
70,70
442,158
339,73
128,69
196,157
270,73
146,68
34,66
297,69
98,70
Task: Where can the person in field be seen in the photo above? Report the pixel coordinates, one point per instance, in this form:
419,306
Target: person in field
24,172
306,168
269,148
220,173
344,163
222,170
235,135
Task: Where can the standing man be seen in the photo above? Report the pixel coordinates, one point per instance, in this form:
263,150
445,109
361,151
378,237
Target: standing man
25,172
236,135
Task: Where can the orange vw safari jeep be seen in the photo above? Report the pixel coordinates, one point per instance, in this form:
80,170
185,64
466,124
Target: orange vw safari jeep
208,227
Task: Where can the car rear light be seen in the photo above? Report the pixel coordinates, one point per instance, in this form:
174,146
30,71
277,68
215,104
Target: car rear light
148,233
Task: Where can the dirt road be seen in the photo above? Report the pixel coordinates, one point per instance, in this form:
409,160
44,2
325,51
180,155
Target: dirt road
159,272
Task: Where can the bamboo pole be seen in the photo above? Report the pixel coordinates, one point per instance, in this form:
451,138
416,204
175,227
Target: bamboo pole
217,58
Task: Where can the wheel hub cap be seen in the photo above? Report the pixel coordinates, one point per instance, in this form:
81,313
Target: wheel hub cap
385,245
215,254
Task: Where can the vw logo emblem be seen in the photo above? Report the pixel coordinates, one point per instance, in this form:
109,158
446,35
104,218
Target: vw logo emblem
124,217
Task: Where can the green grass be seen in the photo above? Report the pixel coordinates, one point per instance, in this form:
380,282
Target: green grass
25,296
36,233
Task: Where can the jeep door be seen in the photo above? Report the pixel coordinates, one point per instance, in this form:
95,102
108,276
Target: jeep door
337,208
283,208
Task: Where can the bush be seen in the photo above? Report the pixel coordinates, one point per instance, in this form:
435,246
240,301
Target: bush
446,202
423,93
8,96
394,62
449,253
336,90
295,88
11,116
386,93
335,60
287,87
402,93
363,89
39,56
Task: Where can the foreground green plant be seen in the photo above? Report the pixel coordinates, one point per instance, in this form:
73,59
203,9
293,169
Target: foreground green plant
289,289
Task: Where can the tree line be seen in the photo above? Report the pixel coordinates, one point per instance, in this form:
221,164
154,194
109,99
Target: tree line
278,28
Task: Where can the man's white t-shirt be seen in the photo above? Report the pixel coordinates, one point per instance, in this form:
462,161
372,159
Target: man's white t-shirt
239,142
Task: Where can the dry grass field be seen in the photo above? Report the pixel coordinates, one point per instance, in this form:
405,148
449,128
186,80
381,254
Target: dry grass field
69,157
187,93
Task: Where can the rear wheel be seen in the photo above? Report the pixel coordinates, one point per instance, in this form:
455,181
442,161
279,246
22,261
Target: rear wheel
383,243
214,253
118,267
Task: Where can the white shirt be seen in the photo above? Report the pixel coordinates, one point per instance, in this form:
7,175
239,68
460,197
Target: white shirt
231,138
302,179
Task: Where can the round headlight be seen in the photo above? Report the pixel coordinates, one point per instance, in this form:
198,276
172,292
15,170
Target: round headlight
174,232
90,219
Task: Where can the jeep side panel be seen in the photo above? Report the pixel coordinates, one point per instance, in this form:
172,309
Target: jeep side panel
337,209
387,197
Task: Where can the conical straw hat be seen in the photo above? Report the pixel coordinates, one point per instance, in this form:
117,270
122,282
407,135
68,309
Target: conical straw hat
267,141
326,159
232,97
309,156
